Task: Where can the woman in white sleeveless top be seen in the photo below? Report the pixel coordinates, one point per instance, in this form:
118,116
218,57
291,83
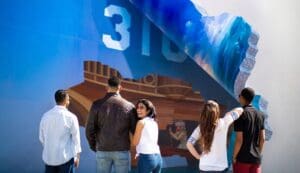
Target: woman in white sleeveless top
211,134
145,138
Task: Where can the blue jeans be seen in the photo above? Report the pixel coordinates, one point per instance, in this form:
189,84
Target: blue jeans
63,168
109,161
149,163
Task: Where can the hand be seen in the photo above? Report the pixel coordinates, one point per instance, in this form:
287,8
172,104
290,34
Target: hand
233,160
76,162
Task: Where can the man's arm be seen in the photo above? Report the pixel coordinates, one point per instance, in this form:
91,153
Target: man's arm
238,128
91,127
76,140
133,120
262,138
262,135
41,133
237,145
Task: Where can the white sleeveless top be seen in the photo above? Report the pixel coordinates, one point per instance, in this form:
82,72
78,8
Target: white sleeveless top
149,137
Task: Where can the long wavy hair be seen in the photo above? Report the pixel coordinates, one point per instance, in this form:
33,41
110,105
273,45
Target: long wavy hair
208,123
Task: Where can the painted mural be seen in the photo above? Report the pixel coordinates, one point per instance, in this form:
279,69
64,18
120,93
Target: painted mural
178,61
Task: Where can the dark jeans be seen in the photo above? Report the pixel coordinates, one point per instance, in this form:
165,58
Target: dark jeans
149,163
224,171
63,168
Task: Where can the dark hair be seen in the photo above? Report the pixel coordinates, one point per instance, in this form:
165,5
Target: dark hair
114,81
208,124
248,94
149,107
60,96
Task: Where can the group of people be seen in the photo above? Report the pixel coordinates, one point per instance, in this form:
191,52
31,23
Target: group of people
114,124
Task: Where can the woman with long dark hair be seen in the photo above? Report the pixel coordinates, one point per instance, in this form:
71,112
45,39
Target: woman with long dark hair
211,134
146,137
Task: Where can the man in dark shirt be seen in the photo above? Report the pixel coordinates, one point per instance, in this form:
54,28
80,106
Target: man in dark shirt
250,136
110,121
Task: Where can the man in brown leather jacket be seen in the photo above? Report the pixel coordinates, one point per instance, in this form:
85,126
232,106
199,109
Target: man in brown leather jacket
110,121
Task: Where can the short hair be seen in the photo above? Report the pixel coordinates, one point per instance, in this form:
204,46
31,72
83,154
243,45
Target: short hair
60,96
114,81
248,94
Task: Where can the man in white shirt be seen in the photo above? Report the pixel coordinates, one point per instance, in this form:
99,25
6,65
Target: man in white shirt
60,137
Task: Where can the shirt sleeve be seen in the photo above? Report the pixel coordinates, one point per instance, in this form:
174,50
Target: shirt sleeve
195,136
90,129
230,117
76,134
41,133
239,124
133,119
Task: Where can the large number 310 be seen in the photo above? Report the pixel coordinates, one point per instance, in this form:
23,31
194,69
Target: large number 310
124,42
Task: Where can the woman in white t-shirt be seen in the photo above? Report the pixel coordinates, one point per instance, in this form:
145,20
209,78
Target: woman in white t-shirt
145,138
211,134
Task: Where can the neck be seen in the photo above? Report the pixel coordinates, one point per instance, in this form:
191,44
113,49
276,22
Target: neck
64,105
111,90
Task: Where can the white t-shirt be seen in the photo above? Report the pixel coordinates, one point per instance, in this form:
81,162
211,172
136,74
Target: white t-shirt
149,137
216,159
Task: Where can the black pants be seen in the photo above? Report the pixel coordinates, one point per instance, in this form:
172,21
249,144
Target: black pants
63,168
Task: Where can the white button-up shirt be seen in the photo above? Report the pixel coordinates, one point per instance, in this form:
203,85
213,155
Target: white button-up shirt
59,135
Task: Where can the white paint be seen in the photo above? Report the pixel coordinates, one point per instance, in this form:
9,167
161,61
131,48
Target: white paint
276,73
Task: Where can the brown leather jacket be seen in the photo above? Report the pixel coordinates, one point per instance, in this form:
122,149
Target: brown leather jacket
109,123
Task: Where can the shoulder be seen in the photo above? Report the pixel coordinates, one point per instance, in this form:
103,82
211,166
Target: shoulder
260,115
141,122
47,114
71,116
197,128
126,102
97,102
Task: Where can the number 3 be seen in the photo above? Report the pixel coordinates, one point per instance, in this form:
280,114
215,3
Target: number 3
121,28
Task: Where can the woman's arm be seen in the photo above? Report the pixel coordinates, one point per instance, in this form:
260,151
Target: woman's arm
233,115
192,150
138,133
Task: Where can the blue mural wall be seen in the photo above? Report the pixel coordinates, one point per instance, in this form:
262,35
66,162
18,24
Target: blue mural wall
43,45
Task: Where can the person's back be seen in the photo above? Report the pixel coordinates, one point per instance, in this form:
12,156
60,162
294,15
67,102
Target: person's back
251,123
250,136
110,121
60,136
114,116
212,135
60,119
216,159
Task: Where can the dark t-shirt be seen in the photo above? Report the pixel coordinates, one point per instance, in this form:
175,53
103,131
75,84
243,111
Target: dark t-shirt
251,122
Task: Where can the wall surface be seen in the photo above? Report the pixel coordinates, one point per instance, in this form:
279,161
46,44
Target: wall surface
275,75
43,45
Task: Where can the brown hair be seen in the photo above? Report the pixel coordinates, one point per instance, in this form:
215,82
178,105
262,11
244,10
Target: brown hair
208,123
149,107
